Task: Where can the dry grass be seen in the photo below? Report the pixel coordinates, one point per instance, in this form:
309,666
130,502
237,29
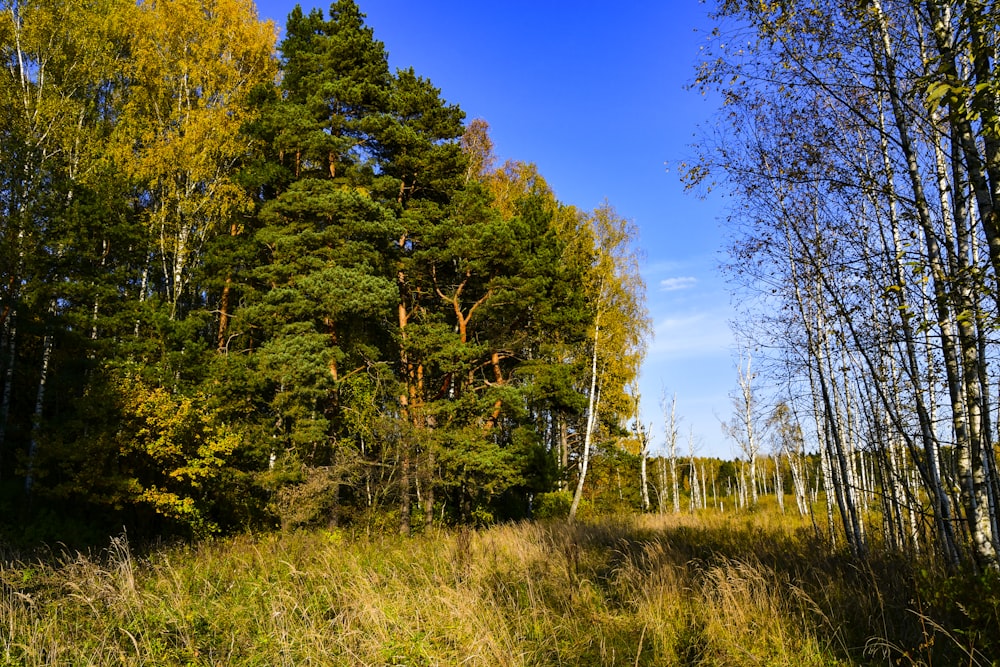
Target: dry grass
708,590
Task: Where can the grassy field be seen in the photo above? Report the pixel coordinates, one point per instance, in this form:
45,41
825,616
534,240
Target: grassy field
714,589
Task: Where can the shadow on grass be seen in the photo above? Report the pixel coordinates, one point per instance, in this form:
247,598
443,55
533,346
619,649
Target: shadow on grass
885,609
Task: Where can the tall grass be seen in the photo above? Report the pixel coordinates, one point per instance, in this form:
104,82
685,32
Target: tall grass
708,590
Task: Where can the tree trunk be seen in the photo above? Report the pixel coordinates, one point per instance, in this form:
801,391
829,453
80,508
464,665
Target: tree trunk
404,489
10,337
643,435
671,438
592,405
429,488
36,418
961,359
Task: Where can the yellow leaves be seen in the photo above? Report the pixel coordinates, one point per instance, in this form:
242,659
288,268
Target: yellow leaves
940,93
512,182
965,101
179,137
194,64
6,29
206,51
59,59
177,433
175,443
618,294
169,504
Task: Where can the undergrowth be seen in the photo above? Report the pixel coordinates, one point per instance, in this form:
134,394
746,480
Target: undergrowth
715,589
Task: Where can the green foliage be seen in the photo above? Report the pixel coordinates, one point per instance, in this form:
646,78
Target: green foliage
553,505
231,299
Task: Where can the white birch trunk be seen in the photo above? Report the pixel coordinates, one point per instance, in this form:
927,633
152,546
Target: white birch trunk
662,497
671,438
776,483
592,405
10,333
36,418
643,479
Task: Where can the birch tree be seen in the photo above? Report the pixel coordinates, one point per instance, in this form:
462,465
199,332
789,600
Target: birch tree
889,186
670,433
193,67
746,427
620,326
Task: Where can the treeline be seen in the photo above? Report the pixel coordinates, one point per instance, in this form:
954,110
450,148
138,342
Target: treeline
862,148
240,290
696,483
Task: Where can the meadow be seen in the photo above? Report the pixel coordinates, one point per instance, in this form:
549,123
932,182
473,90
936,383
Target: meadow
756,588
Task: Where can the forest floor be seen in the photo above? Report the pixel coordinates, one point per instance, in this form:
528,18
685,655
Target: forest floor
756,588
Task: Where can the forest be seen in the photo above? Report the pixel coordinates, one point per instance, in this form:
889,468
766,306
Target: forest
246,285
249,284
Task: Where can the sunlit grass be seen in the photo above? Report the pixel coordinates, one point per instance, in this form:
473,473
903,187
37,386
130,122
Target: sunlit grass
707,589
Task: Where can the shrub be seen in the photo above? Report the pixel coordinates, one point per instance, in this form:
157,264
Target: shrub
554,505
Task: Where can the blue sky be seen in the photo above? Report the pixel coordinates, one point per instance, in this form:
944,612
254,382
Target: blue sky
593,93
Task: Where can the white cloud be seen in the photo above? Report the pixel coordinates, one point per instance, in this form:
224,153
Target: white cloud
674,284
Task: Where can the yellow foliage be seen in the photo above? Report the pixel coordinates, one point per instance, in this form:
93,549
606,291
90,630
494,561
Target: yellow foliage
512,182
169,504
194,64
617,292
177,442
